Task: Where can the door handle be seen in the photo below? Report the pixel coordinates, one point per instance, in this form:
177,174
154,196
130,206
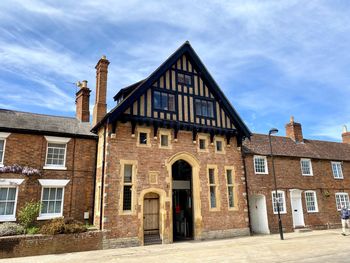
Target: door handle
295,210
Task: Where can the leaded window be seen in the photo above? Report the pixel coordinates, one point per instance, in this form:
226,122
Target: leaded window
212,186
230,188
127,187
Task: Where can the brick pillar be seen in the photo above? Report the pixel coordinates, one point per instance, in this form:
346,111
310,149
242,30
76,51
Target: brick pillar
100,107
345,135
294,130
82,102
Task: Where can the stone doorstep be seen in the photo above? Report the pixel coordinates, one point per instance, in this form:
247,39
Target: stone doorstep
302,229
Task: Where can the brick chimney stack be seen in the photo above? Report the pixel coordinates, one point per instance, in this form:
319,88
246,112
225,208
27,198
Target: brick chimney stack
100,107
82,102
294,131
345,135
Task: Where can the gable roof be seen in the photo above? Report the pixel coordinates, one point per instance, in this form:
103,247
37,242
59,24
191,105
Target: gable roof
285,146
140,87
26,122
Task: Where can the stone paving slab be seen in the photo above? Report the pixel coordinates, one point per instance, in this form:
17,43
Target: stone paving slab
316,246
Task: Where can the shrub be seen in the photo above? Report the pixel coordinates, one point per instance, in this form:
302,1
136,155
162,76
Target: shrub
10,229
62,226
32,230
28,214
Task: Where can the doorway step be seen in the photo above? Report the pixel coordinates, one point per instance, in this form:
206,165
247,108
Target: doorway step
302,229
152,239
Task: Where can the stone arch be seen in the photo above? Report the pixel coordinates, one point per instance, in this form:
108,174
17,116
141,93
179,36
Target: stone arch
197,214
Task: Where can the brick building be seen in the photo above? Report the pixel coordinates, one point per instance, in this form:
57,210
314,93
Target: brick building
169,163
313,180
58,154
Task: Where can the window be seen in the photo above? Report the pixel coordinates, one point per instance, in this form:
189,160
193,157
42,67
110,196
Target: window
8,196
212,187
219,145
164,140
184,79
260,165
306,168
281,201
52,198
337,170
203,143
56,152
204,108
127,187
230,189
143,138
311,201
163,101
3,136
342,199
52,201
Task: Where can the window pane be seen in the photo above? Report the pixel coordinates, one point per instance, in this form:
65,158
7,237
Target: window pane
59,193
171,102
127,173
164,101
12,194
3,194
188,80
164,140
143,138
44,206
46,193
181,78
1,146
2,208
229,176
230,196
210,109
58,207
51,208
202,144
212,197
10,208
198,107
204,108
211,176
219,146
127,197
156,100
52,195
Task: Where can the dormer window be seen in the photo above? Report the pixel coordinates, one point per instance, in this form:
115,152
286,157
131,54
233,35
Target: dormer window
163,101
184,79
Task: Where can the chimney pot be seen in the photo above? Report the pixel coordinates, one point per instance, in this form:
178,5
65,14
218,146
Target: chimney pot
345,135
291,119
84,84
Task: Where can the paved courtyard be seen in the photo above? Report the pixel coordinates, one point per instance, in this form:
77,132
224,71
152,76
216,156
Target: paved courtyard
316,246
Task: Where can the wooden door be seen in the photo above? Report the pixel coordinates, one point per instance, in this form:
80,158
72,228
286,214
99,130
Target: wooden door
151,214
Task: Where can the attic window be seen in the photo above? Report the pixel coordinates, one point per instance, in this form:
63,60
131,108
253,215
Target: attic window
204,108
163,101
184,79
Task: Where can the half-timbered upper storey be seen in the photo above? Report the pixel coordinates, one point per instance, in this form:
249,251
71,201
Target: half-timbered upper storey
180,94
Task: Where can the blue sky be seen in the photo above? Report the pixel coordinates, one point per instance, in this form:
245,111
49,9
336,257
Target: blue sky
273,59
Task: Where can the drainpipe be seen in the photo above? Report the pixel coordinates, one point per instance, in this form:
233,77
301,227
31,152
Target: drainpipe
246,190
94,186
103,174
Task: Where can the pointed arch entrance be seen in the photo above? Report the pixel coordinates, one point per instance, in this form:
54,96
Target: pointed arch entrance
183,169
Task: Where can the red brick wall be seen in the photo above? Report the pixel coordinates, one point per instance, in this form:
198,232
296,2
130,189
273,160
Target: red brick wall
288,174
123,146
23,246
30,150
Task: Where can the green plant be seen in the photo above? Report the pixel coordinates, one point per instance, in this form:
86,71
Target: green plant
32,230
10,229
28,214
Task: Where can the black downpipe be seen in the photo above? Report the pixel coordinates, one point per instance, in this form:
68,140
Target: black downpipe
246,190
103,175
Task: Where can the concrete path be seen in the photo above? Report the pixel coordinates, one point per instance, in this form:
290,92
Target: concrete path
316,246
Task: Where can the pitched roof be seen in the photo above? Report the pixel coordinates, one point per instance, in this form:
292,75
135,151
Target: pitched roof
139,88
284,146
26,122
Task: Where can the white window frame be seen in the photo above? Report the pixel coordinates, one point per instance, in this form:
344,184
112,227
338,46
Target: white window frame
57,140
284,211
10,183
315,201
3,137
265,163
301,167
339,204
52,183
339,171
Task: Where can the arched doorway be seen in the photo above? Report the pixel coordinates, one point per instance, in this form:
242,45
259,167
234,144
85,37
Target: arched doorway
151,220
258,214
182,200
